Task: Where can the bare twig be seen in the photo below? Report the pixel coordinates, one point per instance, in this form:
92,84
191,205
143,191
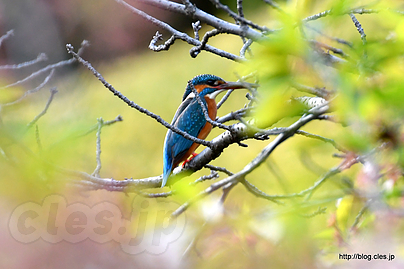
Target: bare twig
359,216
317,16
241,19
257,192
224,98
175,7
359,28
165,46
324,139
319,211
235,115
106,123
196,50
220,169
196,27
257,161
321,92
336,39
39,87
6,35
53,91
156,195
274,5
328,48
311,102
329,12
213,174
40,58
84,44
37,138
133,104
245,47
97,170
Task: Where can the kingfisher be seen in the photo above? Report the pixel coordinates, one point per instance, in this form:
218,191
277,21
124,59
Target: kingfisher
191,119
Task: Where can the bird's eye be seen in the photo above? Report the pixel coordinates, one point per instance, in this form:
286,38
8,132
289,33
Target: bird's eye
211,82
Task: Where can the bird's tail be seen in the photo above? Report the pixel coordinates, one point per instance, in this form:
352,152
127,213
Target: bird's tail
168,166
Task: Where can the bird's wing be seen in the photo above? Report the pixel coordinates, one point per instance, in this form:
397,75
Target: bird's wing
181,108
189,118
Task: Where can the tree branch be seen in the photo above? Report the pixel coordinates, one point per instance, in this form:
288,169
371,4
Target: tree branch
40,58
53,91
133,104
175,33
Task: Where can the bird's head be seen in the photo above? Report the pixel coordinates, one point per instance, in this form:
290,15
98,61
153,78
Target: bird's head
210,85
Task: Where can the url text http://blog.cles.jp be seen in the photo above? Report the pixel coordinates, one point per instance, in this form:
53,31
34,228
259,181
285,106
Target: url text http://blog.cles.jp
368,257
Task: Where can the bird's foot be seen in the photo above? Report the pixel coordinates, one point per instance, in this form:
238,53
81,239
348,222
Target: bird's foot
189,159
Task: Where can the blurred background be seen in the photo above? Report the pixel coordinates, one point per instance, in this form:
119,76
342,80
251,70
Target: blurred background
249,232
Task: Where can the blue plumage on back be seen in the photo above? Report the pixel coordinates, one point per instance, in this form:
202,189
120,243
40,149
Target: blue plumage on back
188,118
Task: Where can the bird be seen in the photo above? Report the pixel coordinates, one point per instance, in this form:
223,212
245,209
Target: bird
190,118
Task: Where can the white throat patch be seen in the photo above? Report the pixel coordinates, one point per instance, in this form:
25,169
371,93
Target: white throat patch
214,94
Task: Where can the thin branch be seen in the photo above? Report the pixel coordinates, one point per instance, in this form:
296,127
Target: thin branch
359,216
197,49
213,174
172,6
361,32
53,91
318,183
274,5
257,161
336,39
5,36
257,192
39,87
317,16
97,170
133,185
133,104
224,98
220,169
40,58
324,139
165,46
319,211
226,191
156,195
328,48
287,133
245,47
329,12
240,8
37,138
241,19
196,27
321,92
84,44
235,115
106,123
311,102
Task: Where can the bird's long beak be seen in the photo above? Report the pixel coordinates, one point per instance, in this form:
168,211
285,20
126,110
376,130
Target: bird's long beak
238,85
